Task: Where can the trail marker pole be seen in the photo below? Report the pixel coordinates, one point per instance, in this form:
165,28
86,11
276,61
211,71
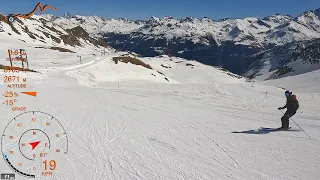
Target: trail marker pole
9,52
21,58
80,59
27,61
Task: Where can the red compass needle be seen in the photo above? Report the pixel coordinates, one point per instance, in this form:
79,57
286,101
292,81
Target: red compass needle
34,144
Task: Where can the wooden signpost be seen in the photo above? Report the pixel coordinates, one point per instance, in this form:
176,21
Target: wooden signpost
19,56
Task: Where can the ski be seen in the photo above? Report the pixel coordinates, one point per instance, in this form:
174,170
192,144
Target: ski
274,129
280,129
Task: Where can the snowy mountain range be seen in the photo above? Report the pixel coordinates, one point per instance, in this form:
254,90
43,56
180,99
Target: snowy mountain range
276,29
287,60
38,30
229,43
245,46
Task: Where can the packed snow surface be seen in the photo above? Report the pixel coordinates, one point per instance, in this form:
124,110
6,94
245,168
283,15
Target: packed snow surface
125,123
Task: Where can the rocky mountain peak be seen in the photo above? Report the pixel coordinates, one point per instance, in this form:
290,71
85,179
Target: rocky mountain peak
68,15
317,12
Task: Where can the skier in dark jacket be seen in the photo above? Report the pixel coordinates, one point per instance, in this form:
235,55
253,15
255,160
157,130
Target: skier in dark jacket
292,107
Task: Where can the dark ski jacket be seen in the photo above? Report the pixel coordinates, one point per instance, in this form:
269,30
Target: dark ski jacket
292,103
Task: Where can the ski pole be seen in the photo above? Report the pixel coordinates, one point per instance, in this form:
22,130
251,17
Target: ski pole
298,126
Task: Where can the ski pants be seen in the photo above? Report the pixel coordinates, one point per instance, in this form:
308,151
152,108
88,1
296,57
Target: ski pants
285,118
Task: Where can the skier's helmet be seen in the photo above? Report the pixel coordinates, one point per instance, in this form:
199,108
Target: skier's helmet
288,93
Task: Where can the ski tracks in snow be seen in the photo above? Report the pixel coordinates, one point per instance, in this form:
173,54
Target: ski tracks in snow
172,116
129,134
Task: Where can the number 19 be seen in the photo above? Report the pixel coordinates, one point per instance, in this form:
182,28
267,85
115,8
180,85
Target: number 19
52,164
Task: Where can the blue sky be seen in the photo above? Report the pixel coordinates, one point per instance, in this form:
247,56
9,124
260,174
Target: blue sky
144,9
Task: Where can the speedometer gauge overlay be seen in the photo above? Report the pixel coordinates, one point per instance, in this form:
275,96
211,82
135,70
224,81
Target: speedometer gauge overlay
32,143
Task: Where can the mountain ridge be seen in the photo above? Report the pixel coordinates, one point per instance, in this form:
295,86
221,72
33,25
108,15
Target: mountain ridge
239,22
183,18
39,30
231,43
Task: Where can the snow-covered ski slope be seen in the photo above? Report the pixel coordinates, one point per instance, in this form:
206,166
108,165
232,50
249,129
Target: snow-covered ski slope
125,123
307,82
